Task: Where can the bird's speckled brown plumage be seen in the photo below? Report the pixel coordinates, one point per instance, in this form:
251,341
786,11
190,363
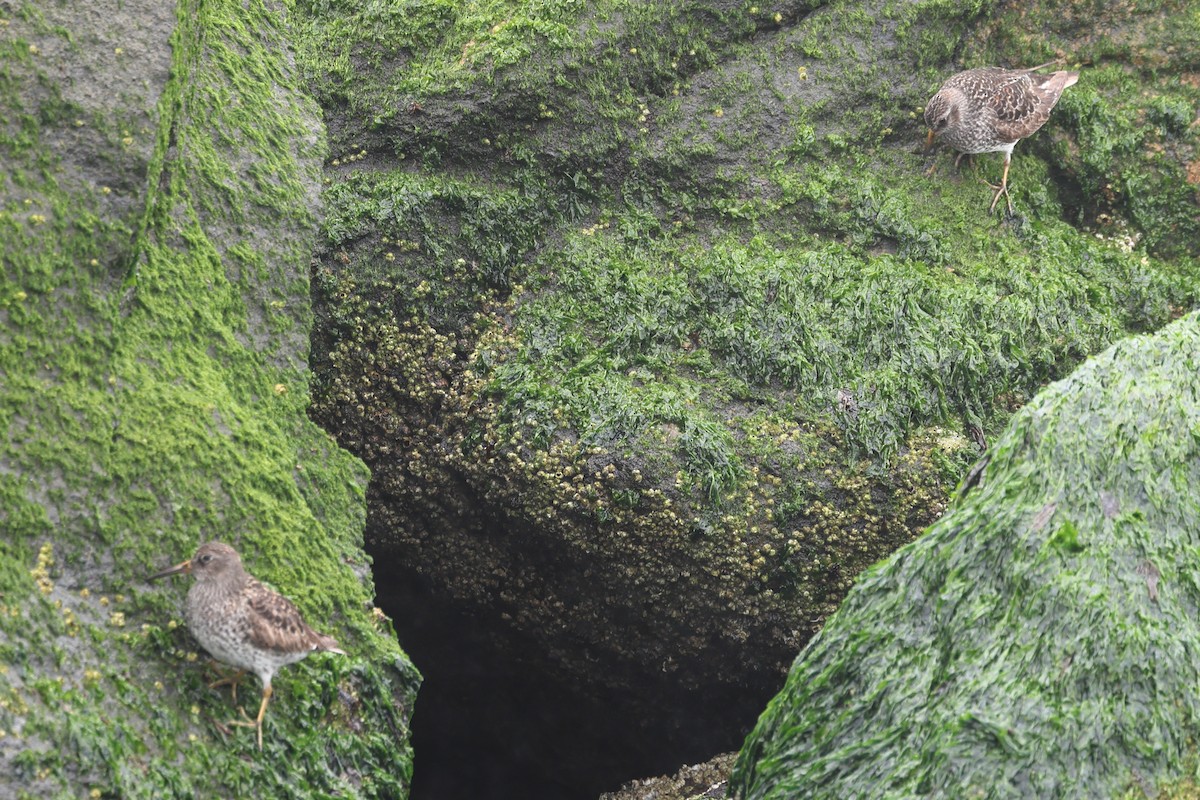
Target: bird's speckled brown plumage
241,622
990,109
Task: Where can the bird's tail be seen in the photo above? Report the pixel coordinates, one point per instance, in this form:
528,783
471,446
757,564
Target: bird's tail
328,644
1060,80
1043,66
1069,80
1051,84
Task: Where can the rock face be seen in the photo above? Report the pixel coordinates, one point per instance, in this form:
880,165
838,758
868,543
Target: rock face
1039,640
654,331
705,781
157,207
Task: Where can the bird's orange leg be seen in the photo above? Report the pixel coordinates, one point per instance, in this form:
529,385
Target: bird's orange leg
257,721
1002,189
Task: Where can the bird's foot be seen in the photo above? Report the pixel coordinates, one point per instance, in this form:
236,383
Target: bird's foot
246,722
229,680
1002,189
223,728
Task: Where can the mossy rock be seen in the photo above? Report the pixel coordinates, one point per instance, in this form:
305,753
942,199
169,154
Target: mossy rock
157,210
1038,640
660,302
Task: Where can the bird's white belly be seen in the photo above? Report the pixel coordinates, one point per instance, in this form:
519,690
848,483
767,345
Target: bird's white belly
996,148
975,145
225,641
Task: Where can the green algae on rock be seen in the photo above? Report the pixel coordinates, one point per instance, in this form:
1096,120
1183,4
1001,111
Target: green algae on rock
1039,640
663,291
156,217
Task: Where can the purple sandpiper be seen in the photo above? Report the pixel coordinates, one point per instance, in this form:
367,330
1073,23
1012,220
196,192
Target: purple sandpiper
241,622
990,109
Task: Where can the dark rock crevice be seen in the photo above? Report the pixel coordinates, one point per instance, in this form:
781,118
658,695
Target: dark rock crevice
526,725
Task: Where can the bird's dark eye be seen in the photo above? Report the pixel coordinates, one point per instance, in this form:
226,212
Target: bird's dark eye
204,559
941,123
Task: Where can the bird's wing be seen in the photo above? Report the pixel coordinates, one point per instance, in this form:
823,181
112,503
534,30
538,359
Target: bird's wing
1019,109
275,623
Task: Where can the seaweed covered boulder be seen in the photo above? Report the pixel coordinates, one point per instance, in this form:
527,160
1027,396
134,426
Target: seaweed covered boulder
1041,639
654,331
157,201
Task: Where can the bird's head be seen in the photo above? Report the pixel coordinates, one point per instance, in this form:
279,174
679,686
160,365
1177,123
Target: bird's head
943,110
212,560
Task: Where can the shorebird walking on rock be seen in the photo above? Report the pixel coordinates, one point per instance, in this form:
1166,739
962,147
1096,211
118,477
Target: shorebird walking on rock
990,109
243,623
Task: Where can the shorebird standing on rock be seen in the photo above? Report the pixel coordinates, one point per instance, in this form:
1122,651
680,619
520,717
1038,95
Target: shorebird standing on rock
241,622
990,109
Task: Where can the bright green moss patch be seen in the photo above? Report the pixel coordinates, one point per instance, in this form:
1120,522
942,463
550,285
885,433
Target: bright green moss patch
155,318
1037,641
948,325
446,47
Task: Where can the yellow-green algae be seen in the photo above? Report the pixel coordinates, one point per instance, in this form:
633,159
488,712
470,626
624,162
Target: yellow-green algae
662,300
1039,640
155,314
